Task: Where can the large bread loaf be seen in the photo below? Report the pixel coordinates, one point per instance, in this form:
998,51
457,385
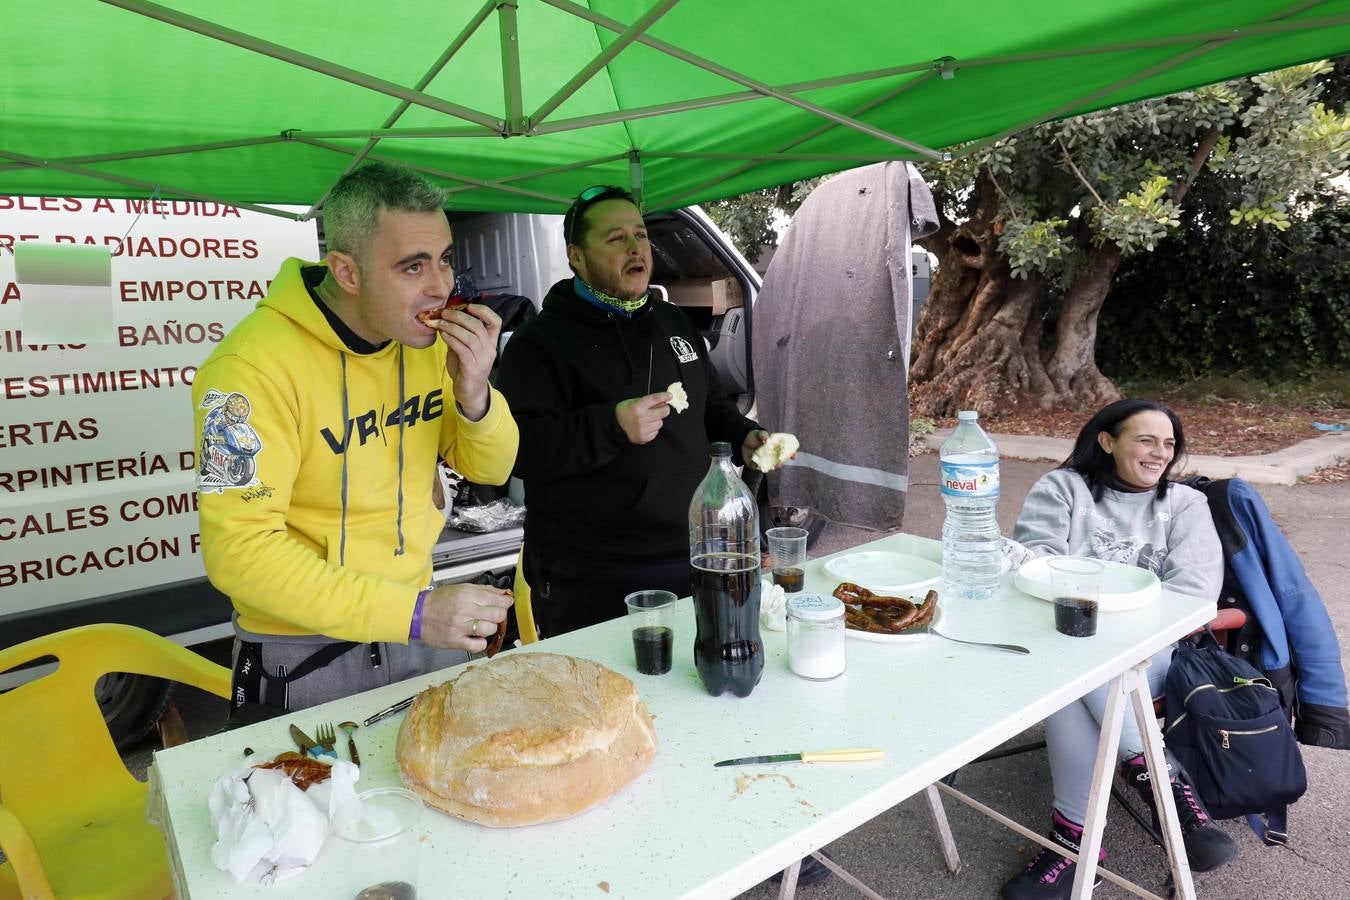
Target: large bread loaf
525,738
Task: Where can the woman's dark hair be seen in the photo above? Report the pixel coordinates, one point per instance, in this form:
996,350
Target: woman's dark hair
1097,467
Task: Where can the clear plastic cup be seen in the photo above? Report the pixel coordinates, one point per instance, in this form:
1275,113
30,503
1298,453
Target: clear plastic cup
787,557
651,614
381,841
1076,582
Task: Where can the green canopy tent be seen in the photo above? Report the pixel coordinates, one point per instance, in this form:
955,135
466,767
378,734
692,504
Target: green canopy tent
517,104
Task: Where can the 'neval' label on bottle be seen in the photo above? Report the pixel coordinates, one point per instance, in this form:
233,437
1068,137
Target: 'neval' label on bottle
970,479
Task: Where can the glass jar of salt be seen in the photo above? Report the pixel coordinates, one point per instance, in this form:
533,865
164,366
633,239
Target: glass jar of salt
815,636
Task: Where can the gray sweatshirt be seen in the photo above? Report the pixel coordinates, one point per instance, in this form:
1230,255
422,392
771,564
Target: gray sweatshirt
1174,538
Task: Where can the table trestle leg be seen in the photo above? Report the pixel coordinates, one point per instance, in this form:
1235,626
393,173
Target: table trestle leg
1162,791
787,888
1085,874
943,828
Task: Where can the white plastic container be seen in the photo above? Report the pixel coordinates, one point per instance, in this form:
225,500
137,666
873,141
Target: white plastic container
815,636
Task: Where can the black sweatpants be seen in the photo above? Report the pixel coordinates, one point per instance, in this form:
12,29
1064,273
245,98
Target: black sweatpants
569,592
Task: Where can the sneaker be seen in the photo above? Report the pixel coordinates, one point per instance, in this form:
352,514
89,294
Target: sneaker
1207,845
1049,876
812,871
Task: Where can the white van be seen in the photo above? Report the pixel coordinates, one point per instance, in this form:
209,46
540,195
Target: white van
98,519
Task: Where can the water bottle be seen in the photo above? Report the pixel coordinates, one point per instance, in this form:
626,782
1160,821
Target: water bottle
971,546
724,566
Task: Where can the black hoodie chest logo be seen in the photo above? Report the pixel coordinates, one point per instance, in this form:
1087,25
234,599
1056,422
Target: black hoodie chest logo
373,423
684,351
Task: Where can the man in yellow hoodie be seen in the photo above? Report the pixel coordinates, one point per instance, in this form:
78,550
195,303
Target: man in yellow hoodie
321,417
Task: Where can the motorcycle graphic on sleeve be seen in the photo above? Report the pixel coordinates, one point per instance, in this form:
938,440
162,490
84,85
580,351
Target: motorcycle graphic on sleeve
229,444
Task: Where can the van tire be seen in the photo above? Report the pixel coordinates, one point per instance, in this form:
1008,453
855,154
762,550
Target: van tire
131,704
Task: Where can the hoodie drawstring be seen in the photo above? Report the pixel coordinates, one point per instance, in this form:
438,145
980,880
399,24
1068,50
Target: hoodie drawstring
401,401
623,345
346,444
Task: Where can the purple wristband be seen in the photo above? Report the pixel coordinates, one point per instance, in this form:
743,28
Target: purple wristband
415,631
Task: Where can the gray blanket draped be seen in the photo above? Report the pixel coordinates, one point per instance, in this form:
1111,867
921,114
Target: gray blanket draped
830,345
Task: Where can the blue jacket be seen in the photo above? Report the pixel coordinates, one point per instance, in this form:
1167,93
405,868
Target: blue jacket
1288,634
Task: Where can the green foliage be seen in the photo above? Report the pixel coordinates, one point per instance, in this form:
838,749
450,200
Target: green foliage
921,425
1140,219
1033,244
1114,175
1218,300
1319,389
750,220
747,219
1291,144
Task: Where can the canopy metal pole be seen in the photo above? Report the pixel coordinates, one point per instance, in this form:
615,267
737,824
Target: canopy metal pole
465,33
878,74
540,173
155,151
768,90
34,162
635,176
588,71
1226,34
741,169
439,173
772,157
303,60
379,134
660,109
1079,103
515,107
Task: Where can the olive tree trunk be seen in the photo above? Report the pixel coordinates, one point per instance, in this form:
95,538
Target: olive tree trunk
979,343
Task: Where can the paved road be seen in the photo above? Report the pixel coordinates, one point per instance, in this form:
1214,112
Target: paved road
896,852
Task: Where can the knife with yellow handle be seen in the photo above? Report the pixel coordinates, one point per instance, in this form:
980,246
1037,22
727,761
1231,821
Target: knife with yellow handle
856,754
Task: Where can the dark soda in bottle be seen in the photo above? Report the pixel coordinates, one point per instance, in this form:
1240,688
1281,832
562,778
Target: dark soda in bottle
724,565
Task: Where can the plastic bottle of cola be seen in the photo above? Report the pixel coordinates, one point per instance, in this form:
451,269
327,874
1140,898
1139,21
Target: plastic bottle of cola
971,545
724,565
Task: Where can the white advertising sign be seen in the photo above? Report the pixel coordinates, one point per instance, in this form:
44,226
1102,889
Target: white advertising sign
97,461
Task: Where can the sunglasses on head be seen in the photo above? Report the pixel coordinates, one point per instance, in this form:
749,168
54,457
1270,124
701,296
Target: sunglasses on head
585,200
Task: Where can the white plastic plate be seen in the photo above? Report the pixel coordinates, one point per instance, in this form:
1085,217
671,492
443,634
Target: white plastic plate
1123,587
886,572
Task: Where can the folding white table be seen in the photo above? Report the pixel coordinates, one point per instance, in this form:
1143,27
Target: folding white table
687,829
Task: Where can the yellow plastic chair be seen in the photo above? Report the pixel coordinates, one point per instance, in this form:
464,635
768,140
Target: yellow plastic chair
524,606
72,818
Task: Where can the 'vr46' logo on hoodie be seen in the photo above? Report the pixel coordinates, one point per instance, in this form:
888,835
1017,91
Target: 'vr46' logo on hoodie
367,425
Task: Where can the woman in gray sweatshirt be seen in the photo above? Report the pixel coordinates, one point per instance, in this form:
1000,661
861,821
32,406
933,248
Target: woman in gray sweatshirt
1112,500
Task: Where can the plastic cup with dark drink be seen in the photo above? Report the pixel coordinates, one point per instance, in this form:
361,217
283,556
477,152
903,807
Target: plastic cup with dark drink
651,615
787,555
1076,585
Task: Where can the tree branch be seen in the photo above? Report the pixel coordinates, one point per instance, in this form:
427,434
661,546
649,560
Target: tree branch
1007,204
1069,159
1197,162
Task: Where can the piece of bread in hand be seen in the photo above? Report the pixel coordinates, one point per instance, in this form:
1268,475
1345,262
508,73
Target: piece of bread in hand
430,315
679,400
775,451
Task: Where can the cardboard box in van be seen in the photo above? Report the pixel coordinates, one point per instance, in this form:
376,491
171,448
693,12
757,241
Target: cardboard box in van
719,293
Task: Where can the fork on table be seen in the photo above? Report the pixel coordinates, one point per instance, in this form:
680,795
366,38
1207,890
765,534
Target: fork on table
325,737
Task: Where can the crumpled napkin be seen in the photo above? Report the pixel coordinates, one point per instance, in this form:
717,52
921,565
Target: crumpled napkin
772,606
1015,556
267,829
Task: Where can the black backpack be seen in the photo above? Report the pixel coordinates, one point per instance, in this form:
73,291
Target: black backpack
1224,723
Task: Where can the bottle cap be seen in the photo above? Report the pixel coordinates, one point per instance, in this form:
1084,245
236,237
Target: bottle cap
967,415
814,607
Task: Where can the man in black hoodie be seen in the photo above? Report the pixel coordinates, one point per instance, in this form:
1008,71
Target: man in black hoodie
609,466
